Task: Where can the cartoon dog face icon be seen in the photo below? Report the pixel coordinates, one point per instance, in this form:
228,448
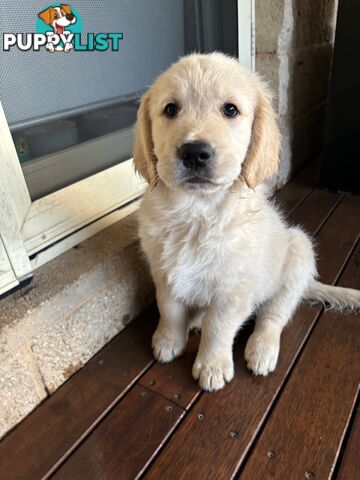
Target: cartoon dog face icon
58,18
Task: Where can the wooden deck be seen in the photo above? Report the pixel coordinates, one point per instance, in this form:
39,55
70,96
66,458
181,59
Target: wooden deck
123,416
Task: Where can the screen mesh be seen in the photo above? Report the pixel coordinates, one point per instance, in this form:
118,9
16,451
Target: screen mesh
38,86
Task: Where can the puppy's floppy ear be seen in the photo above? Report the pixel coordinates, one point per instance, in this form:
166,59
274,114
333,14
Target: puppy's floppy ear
46,15
144,157
262,158
66,8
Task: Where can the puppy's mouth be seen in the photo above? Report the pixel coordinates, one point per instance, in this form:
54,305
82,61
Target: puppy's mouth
198,179
200,183
59,29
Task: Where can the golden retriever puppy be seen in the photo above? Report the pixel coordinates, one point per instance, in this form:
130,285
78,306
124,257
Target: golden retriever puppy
206,141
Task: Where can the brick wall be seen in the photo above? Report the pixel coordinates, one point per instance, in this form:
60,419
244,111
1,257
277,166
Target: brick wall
294,45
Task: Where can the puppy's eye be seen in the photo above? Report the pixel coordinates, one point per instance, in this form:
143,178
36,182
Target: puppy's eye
171,110
230,110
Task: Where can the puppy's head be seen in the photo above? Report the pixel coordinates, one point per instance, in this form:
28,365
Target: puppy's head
58,17
205,123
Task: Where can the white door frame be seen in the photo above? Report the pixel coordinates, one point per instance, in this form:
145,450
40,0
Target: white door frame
8,278
27,227
246,33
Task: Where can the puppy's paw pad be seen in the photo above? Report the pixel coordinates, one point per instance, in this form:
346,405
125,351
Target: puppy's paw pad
261,354
213,375
166,347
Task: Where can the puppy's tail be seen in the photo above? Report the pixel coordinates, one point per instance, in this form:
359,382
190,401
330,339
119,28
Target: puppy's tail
338,298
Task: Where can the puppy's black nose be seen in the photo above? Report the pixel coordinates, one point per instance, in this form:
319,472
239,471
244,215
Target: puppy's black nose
69,16
196,154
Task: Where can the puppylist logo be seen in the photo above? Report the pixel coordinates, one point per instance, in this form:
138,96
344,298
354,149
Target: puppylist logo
59,28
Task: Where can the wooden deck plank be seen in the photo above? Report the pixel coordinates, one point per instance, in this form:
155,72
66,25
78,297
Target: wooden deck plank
51,432
174,379
350,464
331,239
295,192
126,441
314,211
307,427
222,426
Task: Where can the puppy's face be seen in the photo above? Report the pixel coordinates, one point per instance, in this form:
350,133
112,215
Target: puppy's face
58,17
197,125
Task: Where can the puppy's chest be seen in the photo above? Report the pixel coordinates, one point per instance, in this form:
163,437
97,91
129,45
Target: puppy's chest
196,261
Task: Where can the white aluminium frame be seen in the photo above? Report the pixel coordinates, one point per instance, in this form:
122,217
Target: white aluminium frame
34,232
246,33
41,229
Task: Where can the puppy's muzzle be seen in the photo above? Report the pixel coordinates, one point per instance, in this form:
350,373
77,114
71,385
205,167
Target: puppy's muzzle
196,155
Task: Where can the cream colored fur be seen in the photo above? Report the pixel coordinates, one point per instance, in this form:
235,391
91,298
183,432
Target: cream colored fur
219,251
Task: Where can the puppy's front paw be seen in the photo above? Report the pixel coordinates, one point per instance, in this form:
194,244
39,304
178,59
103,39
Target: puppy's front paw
213,375
262,352
167,346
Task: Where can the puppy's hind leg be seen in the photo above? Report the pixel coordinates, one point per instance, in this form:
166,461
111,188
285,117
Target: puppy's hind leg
68,46
50,47
196,316
263,346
